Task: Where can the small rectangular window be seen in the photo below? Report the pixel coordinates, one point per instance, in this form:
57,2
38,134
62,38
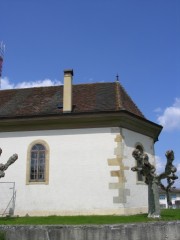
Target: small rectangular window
173,196
162,197
140,177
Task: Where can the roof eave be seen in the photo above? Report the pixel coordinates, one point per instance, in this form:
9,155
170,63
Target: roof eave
121,118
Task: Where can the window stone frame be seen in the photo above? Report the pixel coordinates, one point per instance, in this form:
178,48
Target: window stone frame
47,155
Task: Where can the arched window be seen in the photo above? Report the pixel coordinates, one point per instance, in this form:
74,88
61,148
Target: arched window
38,163
140,177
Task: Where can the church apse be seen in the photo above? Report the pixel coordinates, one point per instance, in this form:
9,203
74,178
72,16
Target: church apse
117,161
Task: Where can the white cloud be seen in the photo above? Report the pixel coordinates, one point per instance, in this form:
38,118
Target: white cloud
178,167
170,119
40,83
160,164
6,84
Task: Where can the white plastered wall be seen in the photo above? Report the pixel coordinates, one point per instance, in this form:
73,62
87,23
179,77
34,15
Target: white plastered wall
138,190
79,174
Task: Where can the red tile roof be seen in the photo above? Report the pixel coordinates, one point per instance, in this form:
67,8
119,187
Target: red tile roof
91,98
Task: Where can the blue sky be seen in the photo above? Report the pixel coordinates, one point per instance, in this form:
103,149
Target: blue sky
138,39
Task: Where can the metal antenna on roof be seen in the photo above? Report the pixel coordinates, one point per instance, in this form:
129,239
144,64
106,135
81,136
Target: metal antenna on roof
2,50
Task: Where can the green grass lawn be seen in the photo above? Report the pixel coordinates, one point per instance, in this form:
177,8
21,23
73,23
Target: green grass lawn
166,215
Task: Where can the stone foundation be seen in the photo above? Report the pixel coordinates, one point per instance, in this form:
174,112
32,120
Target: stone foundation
140,231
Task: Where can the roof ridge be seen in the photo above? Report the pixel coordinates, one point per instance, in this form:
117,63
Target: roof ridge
93,83
131,100
59,85
37,87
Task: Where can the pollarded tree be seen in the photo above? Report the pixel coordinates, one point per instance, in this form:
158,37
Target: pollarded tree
153,180
4,167
169,174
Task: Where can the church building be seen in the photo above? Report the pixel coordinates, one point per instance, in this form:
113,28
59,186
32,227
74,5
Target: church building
74,144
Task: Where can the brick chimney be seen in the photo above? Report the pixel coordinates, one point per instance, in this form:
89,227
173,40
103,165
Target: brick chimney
67,91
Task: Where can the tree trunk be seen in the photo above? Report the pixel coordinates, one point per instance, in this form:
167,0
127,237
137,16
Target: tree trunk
153,200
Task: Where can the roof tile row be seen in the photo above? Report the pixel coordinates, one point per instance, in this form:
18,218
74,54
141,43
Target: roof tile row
94,97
